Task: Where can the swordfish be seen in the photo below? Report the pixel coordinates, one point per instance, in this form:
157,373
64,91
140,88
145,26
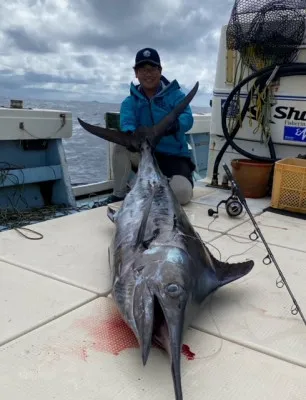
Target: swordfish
162,270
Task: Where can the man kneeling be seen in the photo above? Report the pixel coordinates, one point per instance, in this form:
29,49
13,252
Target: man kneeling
149,101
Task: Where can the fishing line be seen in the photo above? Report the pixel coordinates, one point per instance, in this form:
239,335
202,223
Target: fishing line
226,234
281,280
246,241
214,219
240,254
39,235
218,335
216,248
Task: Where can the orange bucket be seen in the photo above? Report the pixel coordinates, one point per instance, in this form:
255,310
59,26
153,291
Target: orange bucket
253,177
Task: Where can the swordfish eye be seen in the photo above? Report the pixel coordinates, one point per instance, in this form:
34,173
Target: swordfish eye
174,290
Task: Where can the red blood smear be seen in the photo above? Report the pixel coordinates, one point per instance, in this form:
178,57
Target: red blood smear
187,352
113,335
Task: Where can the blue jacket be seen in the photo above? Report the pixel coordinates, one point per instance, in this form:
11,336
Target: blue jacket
138,110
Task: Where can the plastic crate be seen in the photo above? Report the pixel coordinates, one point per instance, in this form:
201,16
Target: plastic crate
289,185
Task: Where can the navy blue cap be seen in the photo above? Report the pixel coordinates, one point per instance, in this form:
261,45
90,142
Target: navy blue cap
147,55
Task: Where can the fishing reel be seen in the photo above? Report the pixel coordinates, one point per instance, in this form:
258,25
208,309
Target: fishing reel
233,207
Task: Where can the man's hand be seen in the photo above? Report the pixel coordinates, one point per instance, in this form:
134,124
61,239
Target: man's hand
131,148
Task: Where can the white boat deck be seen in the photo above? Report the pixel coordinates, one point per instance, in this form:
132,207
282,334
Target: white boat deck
61,337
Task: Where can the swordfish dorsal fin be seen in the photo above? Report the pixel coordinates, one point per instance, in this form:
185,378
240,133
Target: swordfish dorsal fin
153,134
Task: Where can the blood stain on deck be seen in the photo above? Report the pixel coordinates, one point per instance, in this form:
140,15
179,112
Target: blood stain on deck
187,352
106,333
112,335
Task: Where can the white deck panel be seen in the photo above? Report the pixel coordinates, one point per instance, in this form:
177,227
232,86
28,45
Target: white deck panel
199,191
28,300
61,344
198,216
69,359
73,250
277,229
253,311
213,198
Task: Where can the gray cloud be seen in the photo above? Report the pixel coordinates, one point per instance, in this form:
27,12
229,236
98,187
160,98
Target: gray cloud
46,78
129,25
118,11
47,48
30,42
29,78
6,71
86,60
9,84
15,91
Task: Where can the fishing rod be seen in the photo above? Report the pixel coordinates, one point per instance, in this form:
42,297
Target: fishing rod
281,281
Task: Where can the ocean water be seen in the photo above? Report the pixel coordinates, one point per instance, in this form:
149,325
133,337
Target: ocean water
86,154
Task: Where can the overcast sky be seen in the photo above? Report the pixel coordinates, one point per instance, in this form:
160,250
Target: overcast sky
85,49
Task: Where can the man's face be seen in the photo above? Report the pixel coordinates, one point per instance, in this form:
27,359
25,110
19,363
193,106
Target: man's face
148,75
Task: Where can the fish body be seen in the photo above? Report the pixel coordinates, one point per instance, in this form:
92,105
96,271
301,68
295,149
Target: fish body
162,271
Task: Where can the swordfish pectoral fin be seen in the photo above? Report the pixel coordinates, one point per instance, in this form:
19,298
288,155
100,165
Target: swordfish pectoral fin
224,272
229,272
220,275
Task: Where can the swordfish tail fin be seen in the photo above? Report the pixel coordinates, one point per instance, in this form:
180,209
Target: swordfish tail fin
112,135
152,134
160,128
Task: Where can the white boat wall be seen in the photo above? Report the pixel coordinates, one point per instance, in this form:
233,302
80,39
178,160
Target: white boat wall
287,118
33,160
33,166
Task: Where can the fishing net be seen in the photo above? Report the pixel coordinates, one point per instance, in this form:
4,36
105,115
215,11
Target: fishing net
266,32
